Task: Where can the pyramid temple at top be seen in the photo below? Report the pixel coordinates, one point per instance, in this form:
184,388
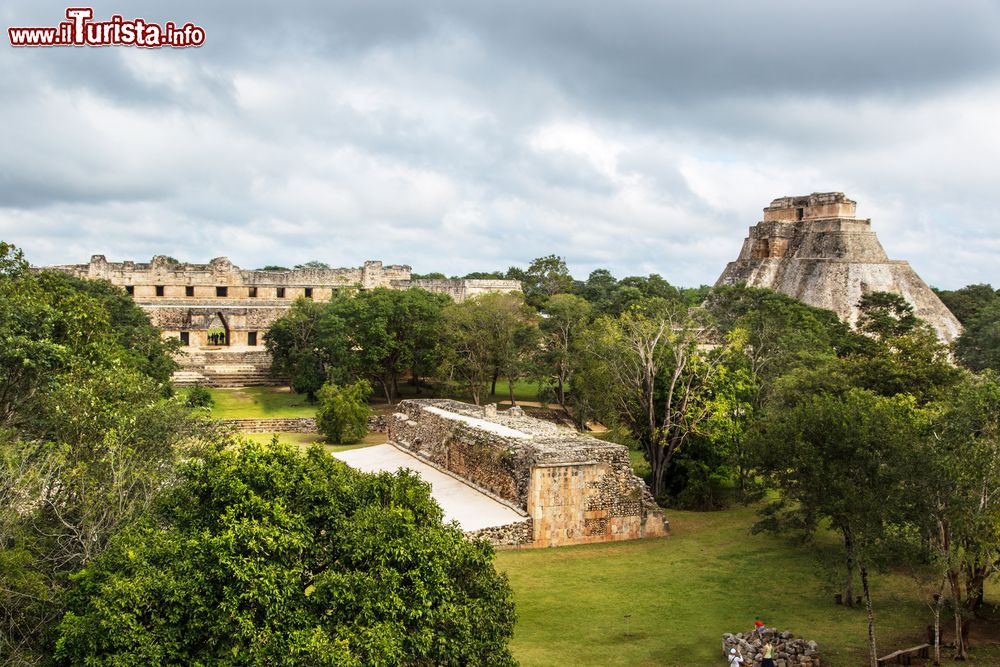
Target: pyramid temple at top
813,248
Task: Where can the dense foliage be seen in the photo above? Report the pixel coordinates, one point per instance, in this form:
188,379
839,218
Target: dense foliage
376,335
262,555
342,413
88,436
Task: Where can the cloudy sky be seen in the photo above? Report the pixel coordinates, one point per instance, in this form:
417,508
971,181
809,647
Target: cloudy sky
460,136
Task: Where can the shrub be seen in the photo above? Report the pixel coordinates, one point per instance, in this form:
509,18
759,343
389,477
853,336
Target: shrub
199,397
342,415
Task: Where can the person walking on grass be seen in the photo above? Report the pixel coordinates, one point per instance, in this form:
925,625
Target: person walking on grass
735,657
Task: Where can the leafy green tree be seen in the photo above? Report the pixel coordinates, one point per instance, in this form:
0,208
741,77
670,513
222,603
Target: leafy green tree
647,371
12,262
599,290
544,277
293,340
515,335
484,275
956,487
342,414
274,268
263,555
885,315
487,336
969,301
565,318
898,353
978,347
313,264
87,438
374,334
842,458
388,332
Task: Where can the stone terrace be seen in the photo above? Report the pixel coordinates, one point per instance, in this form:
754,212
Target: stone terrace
575,489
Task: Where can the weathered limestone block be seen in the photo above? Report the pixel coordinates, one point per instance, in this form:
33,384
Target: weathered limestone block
813,248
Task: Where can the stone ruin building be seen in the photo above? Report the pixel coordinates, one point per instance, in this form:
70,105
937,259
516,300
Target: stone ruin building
221,312
813,248
570,488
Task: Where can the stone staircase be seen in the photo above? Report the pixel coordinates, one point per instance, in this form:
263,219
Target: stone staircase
225,367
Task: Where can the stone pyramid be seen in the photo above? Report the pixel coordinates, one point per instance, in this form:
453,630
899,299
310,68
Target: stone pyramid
813,248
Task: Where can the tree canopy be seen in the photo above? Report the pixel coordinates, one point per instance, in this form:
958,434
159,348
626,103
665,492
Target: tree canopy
263,555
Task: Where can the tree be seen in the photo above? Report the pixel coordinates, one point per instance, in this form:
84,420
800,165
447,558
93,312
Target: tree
514,334
87,437
385,333
486,336
969,301
295,347
599,290
978,347
843,458
313,264
958,492
647,370
263,555
564,320
484,275
342,415
375,334
885,315
544,277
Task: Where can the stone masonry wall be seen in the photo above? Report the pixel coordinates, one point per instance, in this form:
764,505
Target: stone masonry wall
576,489
187,301
376,424
274,425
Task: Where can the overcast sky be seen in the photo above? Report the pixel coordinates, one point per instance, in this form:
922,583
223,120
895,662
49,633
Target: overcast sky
459,136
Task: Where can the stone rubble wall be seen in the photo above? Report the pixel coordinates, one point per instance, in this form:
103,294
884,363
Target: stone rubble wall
273,425
575,488
510,535
789,651
376,424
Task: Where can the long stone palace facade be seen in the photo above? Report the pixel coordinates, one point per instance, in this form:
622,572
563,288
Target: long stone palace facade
221,312
815,249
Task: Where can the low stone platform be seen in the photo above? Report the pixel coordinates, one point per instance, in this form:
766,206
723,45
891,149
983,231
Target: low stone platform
574,489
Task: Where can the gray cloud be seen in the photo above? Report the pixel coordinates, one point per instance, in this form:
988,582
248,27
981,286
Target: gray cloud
644,136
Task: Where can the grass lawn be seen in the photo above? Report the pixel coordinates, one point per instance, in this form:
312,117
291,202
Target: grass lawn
263,402
259,402
684,591
304,440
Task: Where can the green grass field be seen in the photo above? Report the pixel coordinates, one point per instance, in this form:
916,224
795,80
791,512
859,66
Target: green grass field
681,593
304,440
259,402
684,591
262,402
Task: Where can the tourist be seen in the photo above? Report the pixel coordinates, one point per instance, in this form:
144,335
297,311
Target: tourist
768,659
735,657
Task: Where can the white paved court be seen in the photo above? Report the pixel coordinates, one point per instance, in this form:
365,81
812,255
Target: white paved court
473,510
